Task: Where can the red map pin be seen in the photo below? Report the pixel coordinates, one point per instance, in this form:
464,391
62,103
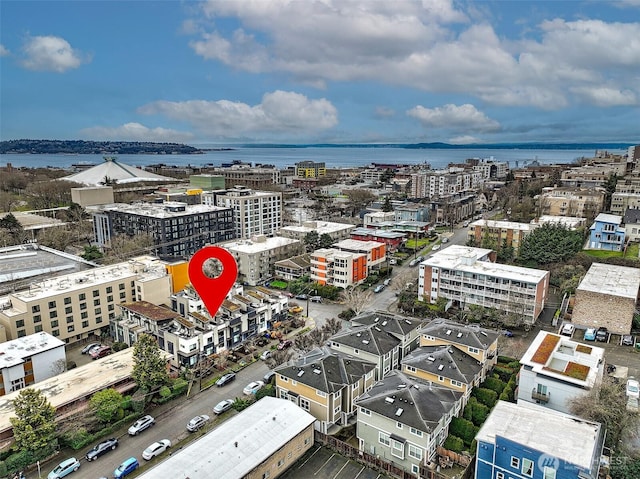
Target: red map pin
213,290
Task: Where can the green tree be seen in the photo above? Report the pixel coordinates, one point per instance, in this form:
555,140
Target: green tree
325,241
550,243
610,189
105,404
92,253
149,367
311,239
34,427
386,207
506,252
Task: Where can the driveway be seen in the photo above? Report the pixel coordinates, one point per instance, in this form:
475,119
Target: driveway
323,463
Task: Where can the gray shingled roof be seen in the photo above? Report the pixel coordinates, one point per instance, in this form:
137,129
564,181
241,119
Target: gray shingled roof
399,326
409,401
326,370
444,361
632,216
371,339
466,335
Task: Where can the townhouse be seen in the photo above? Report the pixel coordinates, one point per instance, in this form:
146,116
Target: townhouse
466,276
403,420
554,370
405,330
325,384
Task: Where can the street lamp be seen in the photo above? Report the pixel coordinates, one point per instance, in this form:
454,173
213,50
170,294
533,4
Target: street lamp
315,291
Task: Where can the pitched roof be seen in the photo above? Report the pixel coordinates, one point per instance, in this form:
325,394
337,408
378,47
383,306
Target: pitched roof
115,171
632,216
444,361
398,326
416,403
326,370
456,333
370,339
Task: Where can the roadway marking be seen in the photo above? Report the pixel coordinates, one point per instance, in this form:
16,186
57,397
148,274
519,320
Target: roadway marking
325,463
357,475
345,465
314,452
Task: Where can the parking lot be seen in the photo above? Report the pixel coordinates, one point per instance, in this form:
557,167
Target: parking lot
323,463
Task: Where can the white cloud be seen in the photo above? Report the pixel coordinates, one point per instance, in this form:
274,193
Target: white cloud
605,97
4,51
279,112
426,45
135,132
384,112
464,140
49,53
463,117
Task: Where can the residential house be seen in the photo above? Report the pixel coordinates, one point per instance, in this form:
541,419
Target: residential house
28,360
369,343
444,366
411,212
607,233
479,343
325,384
374,218
293,268
406,330
607,296
555,370
403,420
468,276
529,441
632,224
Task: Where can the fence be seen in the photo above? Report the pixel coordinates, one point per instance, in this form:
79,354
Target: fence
375,462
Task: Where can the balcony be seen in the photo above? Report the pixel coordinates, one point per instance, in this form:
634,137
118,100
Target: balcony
539,396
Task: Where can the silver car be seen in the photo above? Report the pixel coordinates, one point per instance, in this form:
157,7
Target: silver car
197,422
223,406
141,424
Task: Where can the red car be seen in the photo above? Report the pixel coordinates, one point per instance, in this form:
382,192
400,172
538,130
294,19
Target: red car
101,352
285,344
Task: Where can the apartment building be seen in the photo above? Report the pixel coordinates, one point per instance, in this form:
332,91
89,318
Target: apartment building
243,174
177,229
451,209
311,169
374,251
569,222
438,183
325,384
591,176
525,440
330,266
337,231
479,343
79,305
631,222
256,257
571,201
207,182
468,276
490,168
499,234
28,360
403,420
607,296
392,239
607,233
554,370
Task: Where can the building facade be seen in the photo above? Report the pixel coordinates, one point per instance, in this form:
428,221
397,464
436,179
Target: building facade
607,233
330,266
499,234
570,201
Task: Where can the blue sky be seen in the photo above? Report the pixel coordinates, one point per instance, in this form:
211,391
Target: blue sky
227,71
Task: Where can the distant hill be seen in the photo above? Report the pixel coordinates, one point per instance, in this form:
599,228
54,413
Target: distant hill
82,147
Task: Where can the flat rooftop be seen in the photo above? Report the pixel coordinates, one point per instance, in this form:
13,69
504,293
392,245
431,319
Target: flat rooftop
613,280
528,424
356,245
160,210
509,225
322,227
13,352
258,245
238,445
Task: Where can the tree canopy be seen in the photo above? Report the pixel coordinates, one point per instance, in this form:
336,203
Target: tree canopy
550,243
105,404
34,427
149,367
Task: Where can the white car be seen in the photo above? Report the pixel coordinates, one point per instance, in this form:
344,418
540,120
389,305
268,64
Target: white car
265,355
436,247
567,330
253,387
197,422
223,406
633,388
156,449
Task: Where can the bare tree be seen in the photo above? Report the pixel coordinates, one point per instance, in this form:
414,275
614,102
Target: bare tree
59,366
221,361
124,247
357,299
331,327
279,357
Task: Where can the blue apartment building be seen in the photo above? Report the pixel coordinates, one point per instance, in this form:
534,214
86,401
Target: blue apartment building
607,233
527,441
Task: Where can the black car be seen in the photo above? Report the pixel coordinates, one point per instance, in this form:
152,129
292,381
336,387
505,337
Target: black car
602,334
101,449
226,379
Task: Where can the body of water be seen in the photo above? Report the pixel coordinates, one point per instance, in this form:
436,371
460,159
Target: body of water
333,157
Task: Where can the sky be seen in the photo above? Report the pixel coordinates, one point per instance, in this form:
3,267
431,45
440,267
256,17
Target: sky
321,71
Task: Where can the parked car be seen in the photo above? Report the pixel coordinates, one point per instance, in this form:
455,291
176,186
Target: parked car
301,296
379,288
590,334
393,261
507,333
223,406
627,340
269,377
465,224
436,247
141,424
253,387
265,355
101,352
602,334
101,449
567,329
387,282
633,388
287,343
65,468
89,347
197,422
126,468
445,240
156,449
226,379
315,299
295,310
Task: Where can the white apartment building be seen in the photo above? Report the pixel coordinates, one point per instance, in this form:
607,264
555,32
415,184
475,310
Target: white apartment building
337,231
255,212
437,183
330,266
75,306
470,276
256,257
29,360
555,370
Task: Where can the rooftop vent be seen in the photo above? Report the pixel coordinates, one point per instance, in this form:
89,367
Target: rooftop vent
399,412
389,400
441,367
378,329
376,320
317,371
483,333
301,372
364,341
359,334
407,321
402,386
448,332
384,323
431,358
459,335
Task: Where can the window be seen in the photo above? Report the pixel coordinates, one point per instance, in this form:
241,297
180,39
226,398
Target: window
304,404
473,350
456,383
415,431
84,315
322,394
70,329
52,304
68,310
110,298
85,324
53,314
96,302
98,319
69,319
549,473
37,319
527,467
54,324
384,438
266,475
123,295
83,306
21,333
96,293
280,462
499,475
364,411
67,300
55,332
35,308
415,469
38,328
399,425
110,289
415,452
82,297
283,378
515,462
97,311
411,369
397,448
